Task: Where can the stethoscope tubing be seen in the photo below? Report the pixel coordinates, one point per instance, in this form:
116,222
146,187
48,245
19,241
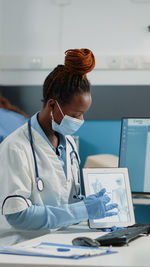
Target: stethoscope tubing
33,152
72,154
39,181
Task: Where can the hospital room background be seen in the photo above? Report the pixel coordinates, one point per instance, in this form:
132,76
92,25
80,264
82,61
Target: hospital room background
33,37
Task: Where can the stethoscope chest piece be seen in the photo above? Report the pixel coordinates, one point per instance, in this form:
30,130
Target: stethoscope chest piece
40,184
79,197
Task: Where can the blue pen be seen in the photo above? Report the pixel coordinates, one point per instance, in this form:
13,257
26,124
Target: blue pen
63,249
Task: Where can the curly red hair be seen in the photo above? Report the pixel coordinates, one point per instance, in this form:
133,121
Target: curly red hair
79,61
69,79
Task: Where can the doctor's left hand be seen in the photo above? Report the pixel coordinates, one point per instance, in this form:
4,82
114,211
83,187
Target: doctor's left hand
97,205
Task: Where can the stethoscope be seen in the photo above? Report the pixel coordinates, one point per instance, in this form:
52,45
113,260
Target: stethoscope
39,181
74,160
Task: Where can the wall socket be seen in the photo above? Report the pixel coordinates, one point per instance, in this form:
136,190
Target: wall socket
35,63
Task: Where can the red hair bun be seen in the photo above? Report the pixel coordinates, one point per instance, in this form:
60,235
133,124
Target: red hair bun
79,61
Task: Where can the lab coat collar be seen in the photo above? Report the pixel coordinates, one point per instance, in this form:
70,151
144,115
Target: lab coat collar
35,125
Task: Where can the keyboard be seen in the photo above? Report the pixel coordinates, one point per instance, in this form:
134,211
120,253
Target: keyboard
124,236
118,237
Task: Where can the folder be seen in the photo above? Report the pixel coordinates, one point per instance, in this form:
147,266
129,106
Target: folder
46,249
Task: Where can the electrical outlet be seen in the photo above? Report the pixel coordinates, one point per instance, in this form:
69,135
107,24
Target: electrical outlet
35,63
129,62
144,62
113,62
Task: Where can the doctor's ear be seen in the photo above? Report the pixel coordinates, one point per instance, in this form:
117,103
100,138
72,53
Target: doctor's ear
51,104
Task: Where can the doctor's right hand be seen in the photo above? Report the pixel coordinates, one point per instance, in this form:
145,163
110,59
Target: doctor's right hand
97,205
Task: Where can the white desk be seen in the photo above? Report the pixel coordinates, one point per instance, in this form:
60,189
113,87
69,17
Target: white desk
137,254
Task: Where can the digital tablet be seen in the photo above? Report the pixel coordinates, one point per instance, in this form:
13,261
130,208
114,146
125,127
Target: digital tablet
116,182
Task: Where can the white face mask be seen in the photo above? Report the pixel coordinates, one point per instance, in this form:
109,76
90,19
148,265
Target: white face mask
68,125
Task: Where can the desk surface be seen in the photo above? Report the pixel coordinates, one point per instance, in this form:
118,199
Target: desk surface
137,254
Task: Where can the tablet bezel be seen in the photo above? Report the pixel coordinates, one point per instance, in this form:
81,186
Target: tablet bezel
124,171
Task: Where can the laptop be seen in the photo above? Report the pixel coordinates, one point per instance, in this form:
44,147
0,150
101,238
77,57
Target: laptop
116,182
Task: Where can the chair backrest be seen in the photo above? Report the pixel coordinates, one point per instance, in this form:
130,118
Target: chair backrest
101,161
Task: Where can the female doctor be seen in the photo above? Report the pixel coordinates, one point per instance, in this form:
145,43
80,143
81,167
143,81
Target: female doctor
39,161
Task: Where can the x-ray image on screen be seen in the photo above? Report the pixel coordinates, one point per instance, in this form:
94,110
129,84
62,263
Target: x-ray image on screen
115,189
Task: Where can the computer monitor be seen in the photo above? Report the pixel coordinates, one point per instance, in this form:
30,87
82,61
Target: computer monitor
135,152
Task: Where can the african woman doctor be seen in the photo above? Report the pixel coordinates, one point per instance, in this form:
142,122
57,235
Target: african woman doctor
30,208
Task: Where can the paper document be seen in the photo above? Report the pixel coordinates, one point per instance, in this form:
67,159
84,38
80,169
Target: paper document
56,250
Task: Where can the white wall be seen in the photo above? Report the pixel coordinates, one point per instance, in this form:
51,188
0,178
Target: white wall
35,33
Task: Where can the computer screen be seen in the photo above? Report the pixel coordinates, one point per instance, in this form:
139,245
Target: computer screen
135,152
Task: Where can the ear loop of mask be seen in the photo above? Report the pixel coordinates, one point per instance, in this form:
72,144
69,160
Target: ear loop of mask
59,109
52,115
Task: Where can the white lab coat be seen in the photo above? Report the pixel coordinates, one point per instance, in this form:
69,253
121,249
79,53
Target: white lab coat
17,178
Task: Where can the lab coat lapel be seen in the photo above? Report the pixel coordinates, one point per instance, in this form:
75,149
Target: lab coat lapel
71,167
54,179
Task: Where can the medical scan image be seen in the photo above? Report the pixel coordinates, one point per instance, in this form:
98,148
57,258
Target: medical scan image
115,189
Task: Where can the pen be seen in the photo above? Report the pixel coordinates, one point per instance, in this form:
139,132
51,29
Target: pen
63,249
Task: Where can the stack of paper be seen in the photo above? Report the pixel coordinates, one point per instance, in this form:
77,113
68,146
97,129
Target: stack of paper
56,250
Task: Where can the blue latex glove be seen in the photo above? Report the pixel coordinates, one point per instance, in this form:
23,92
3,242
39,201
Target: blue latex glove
112,229
97,207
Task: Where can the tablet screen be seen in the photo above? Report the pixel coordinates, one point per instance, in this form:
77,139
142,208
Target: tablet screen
116,183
